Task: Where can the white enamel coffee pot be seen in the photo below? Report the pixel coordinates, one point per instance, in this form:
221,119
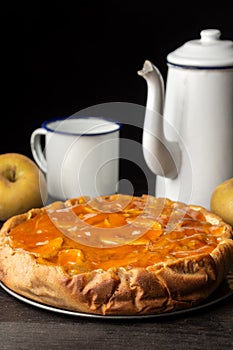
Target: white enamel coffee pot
190,148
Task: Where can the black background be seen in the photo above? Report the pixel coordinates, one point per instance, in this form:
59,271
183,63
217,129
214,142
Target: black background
60,57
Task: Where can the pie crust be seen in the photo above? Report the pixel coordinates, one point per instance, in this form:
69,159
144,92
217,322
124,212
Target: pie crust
116,255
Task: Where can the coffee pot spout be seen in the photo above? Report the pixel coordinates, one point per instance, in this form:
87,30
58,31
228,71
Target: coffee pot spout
160,154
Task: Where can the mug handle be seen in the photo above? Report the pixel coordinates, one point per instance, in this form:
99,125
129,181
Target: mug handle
37,149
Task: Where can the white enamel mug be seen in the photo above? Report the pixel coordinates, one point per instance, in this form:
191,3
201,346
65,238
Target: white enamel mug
81,156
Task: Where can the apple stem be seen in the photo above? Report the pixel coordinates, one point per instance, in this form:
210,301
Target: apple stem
10,174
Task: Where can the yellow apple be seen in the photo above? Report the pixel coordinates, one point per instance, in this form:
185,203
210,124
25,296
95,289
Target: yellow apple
22,185
221,202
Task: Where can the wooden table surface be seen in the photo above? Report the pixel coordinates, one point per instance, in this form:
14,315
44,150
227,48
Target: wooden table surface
24,326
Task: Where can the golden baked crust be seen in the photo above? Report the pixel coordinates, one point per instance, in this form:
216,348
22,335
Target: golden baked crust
179,257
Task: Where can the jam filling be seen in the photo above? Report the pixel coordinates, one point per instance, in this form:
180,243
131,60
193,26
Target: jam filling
115,231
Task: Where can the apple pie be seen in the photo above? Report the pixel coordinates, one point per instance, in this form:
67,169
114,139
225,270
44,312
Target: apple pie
116,255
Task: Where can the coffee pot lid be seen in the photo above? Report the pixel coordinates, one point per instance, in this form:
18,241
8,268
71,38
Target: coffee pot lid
209,51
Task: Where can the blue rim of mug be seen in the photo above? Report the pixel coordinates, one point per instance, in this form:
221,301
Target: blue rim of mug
46,122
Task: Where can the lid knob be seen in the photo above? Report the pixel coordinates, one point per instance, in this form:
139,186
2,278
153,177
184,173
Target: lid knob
210,35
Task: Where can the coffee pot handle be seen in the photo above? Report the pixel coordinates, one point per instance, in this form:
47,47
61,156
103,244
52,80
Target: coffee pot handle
36,148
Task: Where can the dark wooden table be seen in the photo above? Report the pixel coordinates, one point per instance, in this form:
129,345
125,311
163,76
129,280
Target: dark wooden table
23,326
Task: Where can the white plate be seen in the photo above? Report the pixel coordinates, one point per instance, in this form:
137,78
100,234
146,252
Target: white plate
223,292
